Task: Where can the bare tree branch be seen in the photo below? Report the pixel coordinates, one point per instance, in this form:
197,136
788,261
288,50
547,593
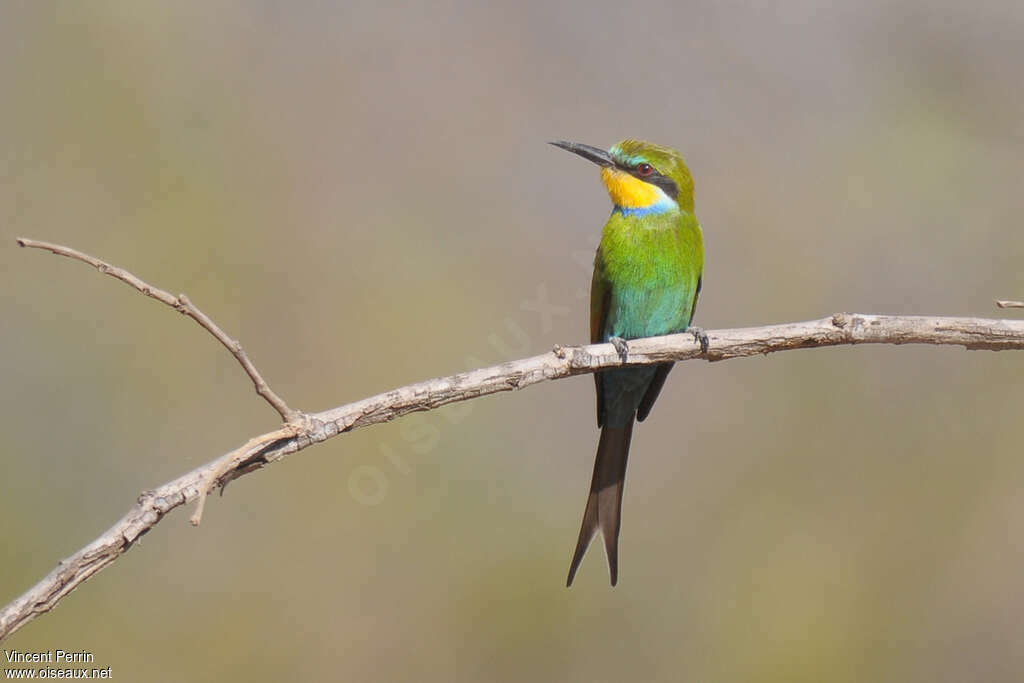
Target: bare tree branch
563,361
181,304
1009,304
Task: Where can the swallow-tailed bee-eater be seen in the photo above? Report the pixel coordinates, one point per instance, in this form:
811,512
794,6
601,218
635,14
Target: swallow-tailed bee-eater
647,276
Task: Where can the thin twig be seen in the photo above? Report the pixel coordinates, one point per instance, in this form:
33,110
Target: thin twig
1009,304
181,304
563,361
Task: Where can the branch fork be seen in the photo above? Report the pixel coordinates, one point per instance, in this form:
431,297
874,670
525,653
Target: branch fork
302,430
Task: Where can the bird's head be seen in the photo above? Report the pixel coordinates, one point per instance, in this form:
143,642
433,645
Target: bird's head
641,177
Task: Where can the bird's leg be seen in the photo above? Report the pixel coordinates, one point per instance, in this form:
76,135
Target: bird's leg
620,347
699,336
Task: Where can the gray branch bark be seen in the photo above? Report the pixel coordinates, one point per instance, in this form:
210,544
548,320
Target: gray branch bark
152,505
183,305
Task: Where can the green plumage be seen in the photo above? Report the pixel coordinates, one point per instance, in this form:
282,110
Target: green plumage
647,276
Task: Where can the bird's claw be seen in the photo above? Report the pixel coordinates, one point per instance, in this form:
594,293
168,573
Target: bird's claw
620,347
699,336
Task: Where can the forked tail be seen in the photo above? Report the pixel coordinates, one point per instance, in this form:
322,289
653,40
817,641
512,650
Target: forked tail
604,505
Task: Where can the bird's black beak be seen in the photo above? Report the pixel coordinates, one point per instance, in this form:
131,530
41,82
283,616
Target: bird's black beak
598,156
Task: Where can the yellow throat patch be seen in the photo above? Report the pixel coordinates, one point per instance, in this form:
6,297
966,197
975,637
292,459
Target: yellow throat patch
630,192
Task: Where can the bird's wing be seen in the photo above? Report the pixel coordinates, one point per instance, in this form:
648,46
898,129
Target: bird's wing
600,300
696,295
653,389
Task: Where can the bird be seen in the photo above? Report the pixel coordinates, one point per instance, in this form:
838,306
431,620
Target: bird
648,273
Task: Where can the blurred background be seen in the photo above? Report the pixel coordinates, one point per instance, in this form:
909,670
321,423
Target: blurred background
362,194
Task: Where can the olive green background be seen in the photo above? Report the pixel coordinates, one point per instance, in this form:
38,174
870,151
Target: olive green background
361,193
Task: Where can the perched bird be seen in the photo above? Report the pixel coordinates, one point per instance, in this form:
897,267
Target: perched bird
647,275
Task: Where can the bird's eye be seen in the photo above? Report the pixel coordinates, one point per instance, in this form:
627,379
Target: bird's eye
644,169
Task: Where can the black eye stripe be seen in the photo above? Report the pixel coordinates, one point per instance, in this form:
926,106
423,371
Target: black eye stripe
667,185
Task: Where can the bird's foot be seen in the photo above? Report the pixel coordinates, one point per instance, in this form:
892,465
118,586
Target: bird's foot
699,336
620,347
